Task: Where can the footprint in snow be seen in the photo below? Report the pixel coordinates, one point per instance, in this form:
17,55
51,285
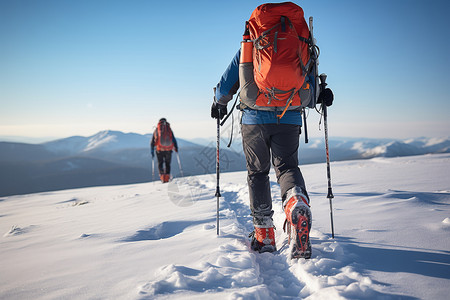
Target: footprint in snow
15,230
75,202
164,230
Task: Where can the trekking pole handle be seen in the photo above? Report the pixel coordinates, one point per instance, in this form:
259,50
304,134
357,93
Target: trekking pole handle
323,79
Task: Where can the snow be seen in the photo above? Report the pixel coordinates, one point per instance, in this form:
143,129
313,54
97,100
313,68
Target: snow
155,241
100,139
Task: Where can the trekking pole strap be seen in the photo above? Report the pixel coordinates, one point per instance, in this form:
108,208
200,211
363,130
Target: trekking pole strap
231,111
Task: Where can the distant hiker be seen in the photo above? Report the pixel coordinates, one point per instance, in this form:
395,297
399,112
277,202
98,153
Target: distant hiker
165,142
274,71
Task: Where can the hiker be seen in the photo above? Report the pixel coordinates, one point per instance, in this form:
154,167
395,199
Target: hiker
271,120
164,140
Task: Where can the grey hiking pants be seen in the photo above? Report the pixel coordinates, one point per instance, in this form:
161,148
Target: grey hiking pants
164,159
262,143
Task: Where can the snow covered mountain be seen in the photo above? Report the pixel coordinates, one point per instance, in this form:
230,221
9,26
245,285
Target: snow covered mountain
361,148
113,157
104,141
350,148
155,241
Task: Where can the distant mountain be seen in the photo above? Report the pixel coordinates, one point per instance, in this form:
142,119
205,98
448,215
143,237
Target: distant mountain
104,141
106,158
114,157
362,148
350,148
19,152
65,173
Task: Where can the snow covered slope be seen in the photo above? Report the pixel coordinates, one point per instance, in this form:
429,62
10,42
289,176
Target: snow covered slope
154,241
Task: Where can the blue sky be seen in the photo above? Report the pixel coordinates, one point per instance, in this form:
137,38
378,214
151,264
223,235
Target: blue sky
78,67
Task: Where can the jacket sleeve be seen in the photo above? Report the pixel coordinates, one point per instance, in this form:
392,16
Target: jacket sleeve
152,143
229,82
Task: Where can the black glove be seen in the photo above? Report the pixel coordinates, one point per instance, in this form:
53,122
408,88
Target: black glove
326,97
218,110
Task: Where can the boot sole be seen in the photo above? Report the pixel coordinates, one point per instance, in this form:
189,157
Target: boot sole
299,234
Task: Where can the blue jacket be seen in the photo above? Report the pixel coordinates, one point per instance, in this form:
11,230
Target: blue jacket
229,85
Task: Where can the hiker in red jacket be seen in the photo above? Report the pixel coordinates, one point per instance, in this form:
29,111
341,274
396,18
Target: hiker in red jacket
164,140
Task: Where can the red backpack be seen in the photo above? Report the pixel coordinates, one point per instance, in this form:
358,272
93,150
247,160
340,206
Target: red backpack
164,136
281,58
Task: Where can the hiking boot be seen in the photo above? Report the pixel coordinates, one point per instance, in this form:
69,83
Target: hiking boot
263,237
164,178
298,222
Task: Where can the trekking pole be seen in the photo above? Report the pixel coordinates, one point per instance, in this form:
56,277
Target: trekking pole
323,84
179,164
153,168
218,172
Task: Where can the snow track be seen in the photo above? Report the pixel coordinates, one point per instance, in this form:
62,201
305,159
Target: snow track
250,275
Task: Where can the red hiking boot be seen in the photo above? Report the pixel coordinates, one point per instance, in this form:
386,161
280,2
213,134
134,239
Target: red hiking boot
298,223
263,237
164,178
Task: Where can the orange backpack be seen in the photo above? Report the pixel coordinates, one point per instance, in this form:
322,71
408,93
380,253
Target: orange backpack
164,136
281,58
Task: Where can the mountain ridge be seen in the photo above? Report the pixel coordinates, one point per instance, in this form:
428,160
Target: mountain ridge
113,157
